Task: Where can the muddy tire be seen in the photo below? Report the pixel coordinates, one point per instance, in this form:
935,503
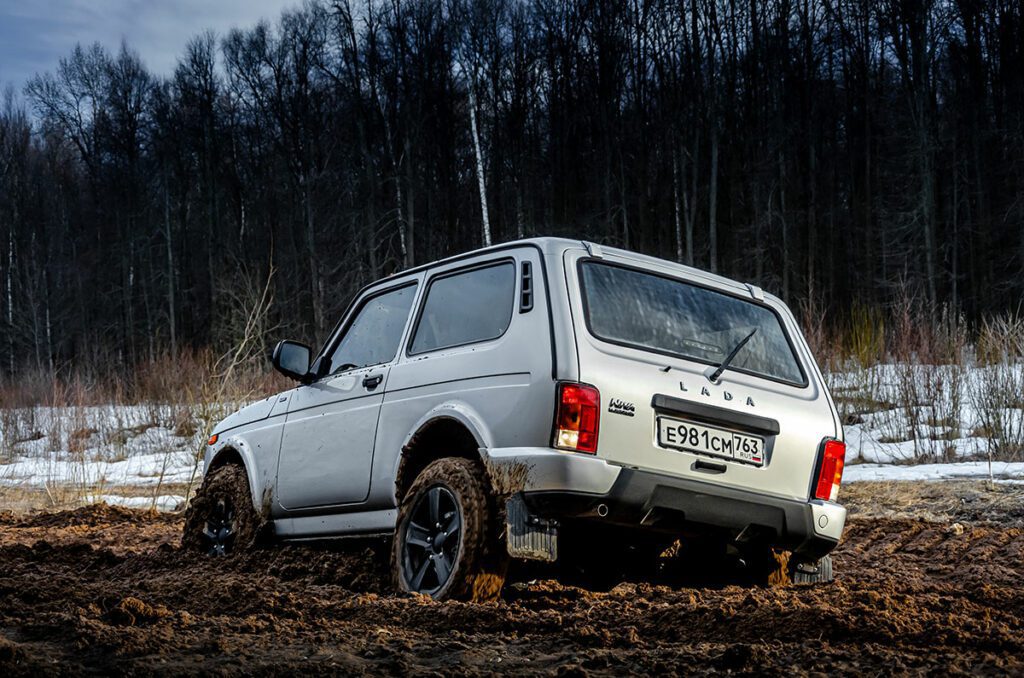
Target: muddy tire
220,519
446,541
807,575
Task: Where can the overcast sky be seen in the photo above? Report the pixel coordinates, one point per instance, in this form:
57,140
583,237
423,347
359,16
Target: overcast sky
35,34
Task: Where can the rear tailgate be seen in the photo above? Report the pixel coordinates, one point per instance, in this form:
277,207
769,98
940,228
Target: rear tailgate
657,409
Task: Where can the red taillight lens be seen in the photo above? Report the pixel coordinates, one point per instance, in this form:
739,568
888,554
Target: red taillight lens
831,473
577,419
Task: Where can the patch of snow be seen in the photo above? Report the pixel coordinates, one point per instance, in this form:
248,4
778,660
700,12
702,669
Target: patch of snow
95,446
908,413
1007,471
146,469
164,502
905,413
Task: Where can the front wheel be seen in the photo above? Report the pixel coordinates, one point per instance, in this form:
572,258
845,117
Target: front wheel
446,542
221,519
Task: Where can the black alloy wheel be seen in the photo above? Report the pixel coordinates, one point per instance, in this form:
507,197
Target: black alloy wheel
221,519
431,544
219,530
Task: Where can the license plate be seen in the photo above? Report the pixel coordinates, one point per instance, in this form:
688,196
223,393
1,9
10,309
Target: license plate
716,442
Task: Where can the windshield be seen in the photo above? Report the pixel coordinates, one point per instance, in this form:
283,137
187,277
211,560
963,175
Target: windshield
653,313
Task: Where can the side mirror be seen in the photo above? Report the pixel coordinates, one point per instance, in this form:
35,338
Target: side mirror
291,359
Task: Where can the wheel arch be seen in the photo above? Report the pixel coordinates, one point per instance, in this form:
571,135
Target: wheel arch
451,430
236,451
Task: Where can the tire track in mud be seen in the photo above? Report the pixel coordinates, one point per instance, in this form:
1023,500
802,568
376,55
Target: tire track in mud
107,590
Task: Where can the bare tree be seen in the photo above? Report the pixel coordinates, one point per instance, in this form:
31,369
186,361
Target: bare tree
846,147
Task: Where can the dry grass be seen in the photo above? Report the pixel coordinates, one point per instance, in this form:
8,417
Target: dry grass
22,499
186,393
945,380
94,422
167,379
948,500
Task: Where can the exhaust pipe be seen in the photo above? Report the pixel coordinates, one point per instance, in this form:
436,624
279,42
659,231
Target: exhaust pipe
602,510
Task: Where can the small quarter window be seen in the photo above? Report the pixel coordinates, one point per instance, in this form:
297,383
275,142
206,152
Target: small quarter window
466,308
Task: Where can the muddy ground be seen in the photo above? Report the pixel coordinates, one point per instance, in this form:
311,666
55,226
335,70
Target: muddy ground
927,582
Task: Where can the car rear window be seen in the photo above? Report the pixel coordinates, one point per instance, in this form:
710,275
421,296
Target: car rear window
655,313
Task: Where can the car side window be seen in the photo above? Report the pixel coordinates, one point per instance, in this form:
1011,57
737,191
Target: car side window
373,336
465,308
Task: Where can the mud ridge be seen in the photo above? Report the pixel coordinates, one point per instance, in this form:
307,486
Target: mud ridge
109,590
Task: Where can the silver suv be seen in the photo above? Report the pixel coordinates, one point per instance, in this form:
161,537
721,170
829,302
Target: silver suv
543,399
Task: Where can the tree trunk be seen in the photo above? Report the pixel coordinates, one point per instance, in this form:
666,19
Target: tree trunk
49,322
313,261
520,217
812,217
485,221
403,248
10,300
676,207
713,202
928,214
690,199
410,201
171,314
785,227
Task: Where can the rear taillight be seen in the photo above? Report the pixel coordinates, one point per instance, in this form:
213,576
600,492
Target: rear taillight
830,474
577,418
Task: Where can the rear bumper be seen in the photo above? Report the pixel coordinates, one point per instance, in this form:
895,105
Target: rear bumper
564,486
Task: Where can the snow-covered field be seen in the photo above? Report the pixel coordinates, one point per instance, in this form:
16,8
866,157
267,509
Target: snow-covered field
902,422
931,422
87,453
1002,471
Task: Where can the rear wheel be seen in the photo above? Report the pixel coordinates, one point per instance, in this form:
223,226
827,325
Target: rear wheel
446,543
221,518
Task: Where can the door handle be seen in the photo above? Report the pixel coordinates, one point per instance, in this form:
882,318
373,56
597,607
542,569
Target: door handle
372,381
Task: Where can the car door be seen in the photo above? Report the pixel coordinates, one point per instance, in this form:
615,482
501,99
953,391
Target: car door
327,445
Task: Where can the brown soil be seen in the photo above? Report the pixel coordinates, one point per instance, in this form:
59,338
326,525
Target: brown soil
104,590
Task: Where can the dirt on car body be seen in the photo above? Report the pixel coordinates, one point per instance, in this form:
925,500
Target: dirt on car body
109,590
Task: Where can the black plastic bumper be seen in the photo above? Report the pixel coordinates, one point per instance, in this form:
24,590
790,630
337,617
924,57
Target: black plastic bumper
645,500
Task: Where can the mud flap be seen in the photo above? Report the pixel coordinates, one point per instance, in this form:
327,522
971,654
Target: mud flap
529,537
812,572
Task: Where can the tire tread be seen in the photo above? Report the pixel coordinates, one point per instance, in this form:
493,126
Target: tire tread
479,573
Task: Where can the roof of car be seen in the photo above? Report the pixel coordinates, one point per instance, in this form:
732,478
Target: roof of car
549,245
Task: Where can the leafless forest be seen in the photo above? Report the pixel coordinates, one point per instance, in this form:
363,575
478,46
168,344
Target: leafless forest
841,153
863,159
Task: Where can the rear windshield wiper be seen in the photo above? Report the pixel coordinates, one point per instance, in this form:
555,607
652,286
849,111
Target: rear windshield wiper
714,376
